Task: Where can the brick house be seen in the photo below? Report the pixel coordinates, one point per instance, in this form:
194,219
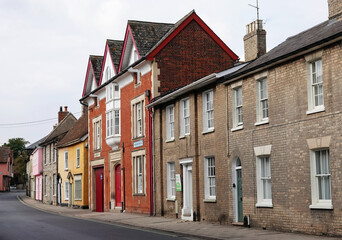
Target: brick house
50,177
156,58
284,111
189,148
6,168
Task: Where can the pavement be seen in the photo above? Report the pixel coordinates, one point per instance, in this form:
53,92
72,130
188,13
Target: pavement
202,230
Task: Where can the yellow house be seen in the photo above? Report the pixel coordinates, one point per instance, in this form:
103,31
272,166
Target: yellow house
73,166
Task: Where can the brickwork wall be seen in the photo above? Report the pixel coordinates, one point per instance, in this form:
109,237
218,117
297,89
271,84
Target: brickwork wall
191,55
196,146
135,203
288,129
103,153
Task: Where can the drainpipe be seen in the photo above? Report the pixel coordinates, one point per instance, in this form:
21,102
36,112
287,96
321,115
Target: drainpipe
148,95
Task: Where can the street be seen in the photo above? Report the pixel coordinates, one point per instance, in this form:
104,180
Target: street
18,221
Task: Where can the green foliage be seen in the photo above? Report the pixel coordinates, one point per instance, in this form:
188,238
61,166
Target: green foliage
17,145
19,156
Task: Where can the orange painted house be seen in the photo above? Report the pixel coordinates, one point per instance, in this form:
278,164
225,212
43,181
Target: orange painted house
155,58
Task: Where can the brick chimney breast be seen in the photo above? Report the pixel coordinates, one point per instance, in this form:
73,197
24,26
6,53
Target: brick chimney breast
335,9
254,40
61,114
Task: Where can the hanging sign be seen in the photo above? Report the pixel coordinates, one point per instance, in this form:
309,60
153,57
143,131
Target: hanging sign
178,183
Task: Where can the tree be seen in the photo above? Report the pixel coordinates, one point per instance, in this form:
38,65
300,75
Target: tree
17,145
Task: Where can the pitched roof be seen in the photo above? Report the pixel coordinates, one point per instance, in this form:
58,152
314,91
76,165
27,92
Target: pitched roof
292,46
76,133
96,62
60,130
5,153
147,34
35,144
115,49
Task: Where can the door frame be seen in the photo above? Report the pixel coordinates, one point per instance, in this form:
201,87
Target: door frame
117,205
235,167
187,168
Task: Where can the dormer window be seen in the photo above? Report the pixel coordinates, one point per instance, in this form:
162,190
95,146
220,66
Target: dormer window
113,92
108,74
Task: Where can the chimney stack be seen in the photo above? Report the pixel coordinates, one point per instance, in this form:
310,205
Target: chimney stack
61,114
335,9
254,40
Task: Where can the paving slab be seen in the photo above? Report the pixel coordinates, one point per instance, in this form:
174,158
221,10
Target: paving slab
203,230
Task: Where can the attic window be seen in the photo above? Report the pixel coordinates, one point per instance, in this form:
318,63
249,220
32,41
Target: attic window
135,56
108,74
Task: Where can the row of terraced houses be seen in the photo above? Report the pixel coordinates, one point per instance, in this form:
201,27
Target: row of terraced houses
174,125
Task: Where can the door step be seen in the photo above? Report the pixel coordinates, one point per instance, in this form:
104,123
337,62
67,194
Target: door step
238,224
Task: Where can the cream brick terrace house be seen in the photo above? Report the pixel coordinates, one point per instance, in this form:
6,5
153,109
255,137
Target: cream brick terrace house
190,151
284,132
50,177
156,58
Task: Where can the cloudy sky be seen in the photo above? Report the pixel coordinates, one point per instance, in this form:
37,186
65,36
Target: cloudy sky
45,45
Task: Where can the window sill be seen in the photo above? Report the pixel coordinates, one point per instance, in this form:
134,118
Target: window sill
315,110
264,205
171,199
137,138
170,140
237,128
139,194
209,200
265,121
181,137
322,206
208,131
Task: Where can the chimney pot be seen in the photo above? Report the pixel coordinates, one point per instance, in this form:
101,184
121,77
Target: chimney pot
65,108
60,108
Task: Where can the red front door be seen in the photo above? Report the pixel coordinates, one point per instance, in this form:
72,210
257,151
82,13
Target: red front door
118,186
99,189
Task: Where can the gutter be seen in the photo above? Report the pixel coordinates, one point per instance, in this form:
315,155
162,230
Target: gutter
192,86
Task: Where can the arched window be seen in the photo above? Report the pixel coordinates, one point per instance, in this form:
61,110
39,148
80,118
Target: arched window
108,74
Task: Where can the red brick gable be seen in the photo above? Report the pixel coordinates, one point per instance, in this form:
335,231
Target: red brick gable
189,56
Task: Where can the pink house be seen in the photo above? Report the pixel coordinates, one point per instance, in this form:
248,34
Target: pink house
37,172
6,163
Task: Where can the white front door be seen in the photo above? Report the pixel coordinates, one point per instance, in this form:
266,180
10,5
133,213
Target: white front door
187,210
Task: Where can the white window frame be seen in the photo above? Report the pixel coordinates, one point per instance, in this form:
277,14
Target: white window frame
97,133
237,108
66,160
264,181
315,72
318,203
139,174
78,179
54,190
209,178
184,117
78,157
262,153
262,115
66,190
46,184
138,117
208,110
171,181
170,123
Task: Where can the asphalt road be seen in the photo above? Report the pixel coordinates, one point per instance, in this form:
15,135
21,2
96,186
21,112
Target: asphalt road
19,222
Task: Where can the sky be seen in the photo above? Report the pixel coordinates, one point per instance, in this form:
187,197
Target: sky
45,45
